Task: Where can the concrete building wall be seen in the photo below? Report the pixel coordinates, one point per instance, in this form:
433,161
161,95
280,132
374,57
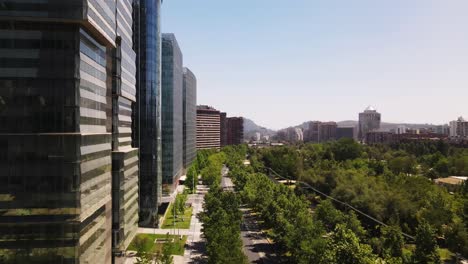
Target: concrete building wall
208,128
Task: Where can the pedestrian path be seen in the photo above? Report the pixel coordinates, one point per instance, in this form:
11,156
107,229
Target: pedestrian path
195,247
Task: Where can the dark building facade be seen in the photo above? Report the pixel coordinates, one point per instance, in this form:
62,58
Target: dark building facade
147,109
66,87
190,117
345,132
223,129
328,131
235,130
172,111
208,128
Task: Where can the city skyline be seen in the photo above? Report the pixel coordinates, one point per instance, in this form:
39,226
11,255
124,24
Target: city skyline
326,61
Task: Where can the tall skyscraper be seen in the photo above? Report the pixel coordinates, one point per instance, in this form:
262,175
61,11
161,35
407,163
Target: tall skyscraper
172,111
147,110
208,128
190,117
66,87
369,121
124,155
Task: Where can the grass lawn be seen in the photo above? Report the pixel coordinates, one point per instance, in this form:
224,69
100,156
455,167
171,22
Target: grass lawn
182,222
445,254
177,249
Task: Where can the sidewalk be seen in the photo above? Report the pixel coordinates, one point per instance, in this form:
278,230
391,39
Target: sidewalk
194,249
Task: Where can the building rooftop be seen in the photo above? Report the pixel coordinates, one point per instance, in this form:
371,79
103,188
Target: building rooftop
452,180
205,107
370,109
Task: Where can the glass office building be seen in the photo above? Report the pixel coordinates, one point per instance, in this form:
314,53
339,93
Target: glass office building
124,155
190,117
64,109
147,110
172,112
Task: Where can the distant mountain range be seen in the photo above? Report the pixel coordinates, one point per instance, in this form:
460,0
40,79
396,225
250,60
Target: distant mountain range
250,127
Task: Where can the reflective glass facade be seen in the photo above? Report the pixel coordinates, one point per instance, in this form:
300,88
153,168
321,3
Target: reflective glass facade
147,109
190,117
172,111
124,155
55,166
65,94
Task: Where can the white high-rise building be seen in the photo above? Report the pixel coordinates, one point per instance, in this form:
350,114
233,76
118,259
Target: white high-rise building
401,130
459,128
453,128
369,120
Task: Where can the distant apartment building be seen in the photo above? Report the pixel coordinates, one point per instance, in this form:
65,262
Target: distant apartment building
190,117
208,128
345,132
384,137
294,134
235,130
257,136
312,134
327,131
223,129
68,171
459,128
320,132
401,130
369,121
443,130
171,112
379,137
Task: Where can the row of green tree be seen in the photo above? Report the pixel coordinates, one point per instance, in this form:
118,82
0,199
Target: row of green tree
391,183
328,235
221,227
221,216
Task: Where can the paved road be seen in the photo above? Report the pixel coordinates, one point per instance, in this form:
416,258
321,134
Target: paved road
256,247
226,182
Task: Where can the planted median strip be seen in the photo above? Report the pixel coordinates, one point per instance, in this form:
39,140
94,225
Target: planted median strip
183,214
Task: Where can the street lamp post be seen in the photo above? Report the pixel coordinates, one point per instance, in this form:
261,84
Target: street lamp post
173,217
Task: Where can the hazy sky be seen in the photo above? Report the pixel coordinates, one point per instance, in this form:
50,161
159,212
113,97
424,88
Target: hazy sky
284,62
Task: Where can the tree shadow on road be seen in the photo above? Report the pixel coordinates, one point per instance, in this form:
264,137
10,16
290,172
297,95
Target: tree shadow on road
198,251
